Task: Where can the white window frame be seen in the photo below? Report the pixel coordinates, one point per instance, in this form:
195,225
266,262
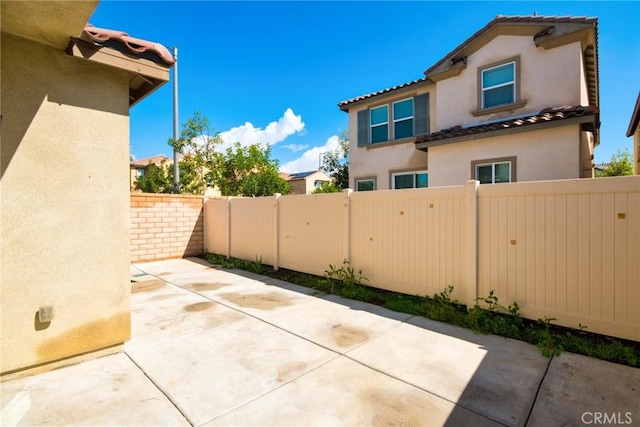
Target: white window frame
393,109
512,82
493,170
371,125
140,172
373,180
414,173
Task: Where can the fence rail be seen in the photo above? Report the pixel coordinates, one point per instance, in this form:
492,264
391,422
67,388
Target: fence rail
566,249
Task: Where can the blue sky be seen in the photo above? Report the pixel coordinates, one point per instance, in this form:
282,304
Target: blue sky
273,72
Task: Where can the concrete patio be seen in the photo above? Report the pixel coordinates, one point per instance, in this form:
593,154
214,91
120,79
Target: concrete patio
224,347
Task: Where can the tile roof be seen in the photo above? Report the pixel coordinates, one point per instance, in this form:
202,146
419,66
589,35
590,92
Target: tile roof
344,104
150,50
156,160
592,60
544,116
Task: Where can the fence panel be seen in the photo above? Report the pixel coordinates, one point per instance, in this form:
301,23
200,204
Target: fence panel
410,241
564,249
252,228
216,237
312,231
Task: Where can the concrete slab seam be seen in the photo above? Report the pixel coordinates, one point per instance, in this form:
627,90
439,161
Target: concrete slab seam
239,405
535,397
160,389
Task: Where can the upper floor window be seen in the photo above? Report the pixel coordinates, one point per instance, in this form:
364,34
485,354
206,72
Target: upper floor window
403,118
419,179
139,173
499,85
379,124
396,120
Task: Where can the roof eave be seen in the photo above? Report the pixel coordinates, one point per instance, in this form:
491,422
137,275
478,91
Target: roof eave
146,75
405,87
635,118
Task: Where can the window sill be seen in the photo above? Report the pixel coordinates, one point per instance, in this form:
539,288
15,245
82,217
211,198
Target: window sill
499,108
389,143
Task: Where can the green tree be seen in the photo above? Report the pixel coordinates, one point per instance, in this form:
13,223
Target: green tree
199,147
248,171
156,179
621,164
335,163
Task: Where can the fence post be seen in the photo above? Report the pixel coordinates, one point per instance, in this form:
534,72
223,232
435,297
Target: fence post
346,248
228,209
276,231
471,276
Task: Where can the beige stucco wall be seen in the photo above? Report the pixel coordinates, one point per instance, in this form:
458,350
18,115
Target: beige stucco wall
548,78
64,215
308,184
540,155
378,159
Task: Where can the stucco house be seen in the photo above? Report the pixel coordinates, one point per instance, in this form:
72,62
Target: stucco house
305,182
516,101
66,93
138,168
634,130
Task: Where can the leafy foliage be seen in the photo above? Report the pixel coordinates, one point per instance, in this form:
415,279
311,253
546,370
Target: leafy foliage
621,164
156,179
327,187
200,152
335,163
159,178
240,171
248,171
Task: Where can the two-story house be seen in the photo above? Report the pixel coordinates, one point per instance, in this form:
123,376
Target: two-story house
516,101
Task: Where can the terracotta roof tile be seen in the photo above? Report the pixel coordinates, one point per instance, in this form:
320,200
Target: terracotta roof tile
136,46
156,160
347,102
546,115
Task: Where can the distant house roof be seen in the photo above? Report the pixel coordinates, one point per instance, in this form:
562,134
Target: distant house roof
546,31
602,166
156,160
635,118
579,114
297,175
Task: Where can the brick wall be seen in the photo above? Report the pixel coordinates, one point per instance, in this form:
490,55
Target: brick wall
165,226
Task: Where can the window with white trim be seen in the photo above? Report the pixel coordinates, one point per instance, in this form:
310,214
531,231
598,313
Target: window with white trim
368,184
416,179
139,173
379,124
403,118
493,173
499,85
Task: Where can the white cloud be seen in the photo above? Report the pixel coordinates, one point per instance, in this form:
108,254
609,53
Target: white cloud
277,131
310,159
296,147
